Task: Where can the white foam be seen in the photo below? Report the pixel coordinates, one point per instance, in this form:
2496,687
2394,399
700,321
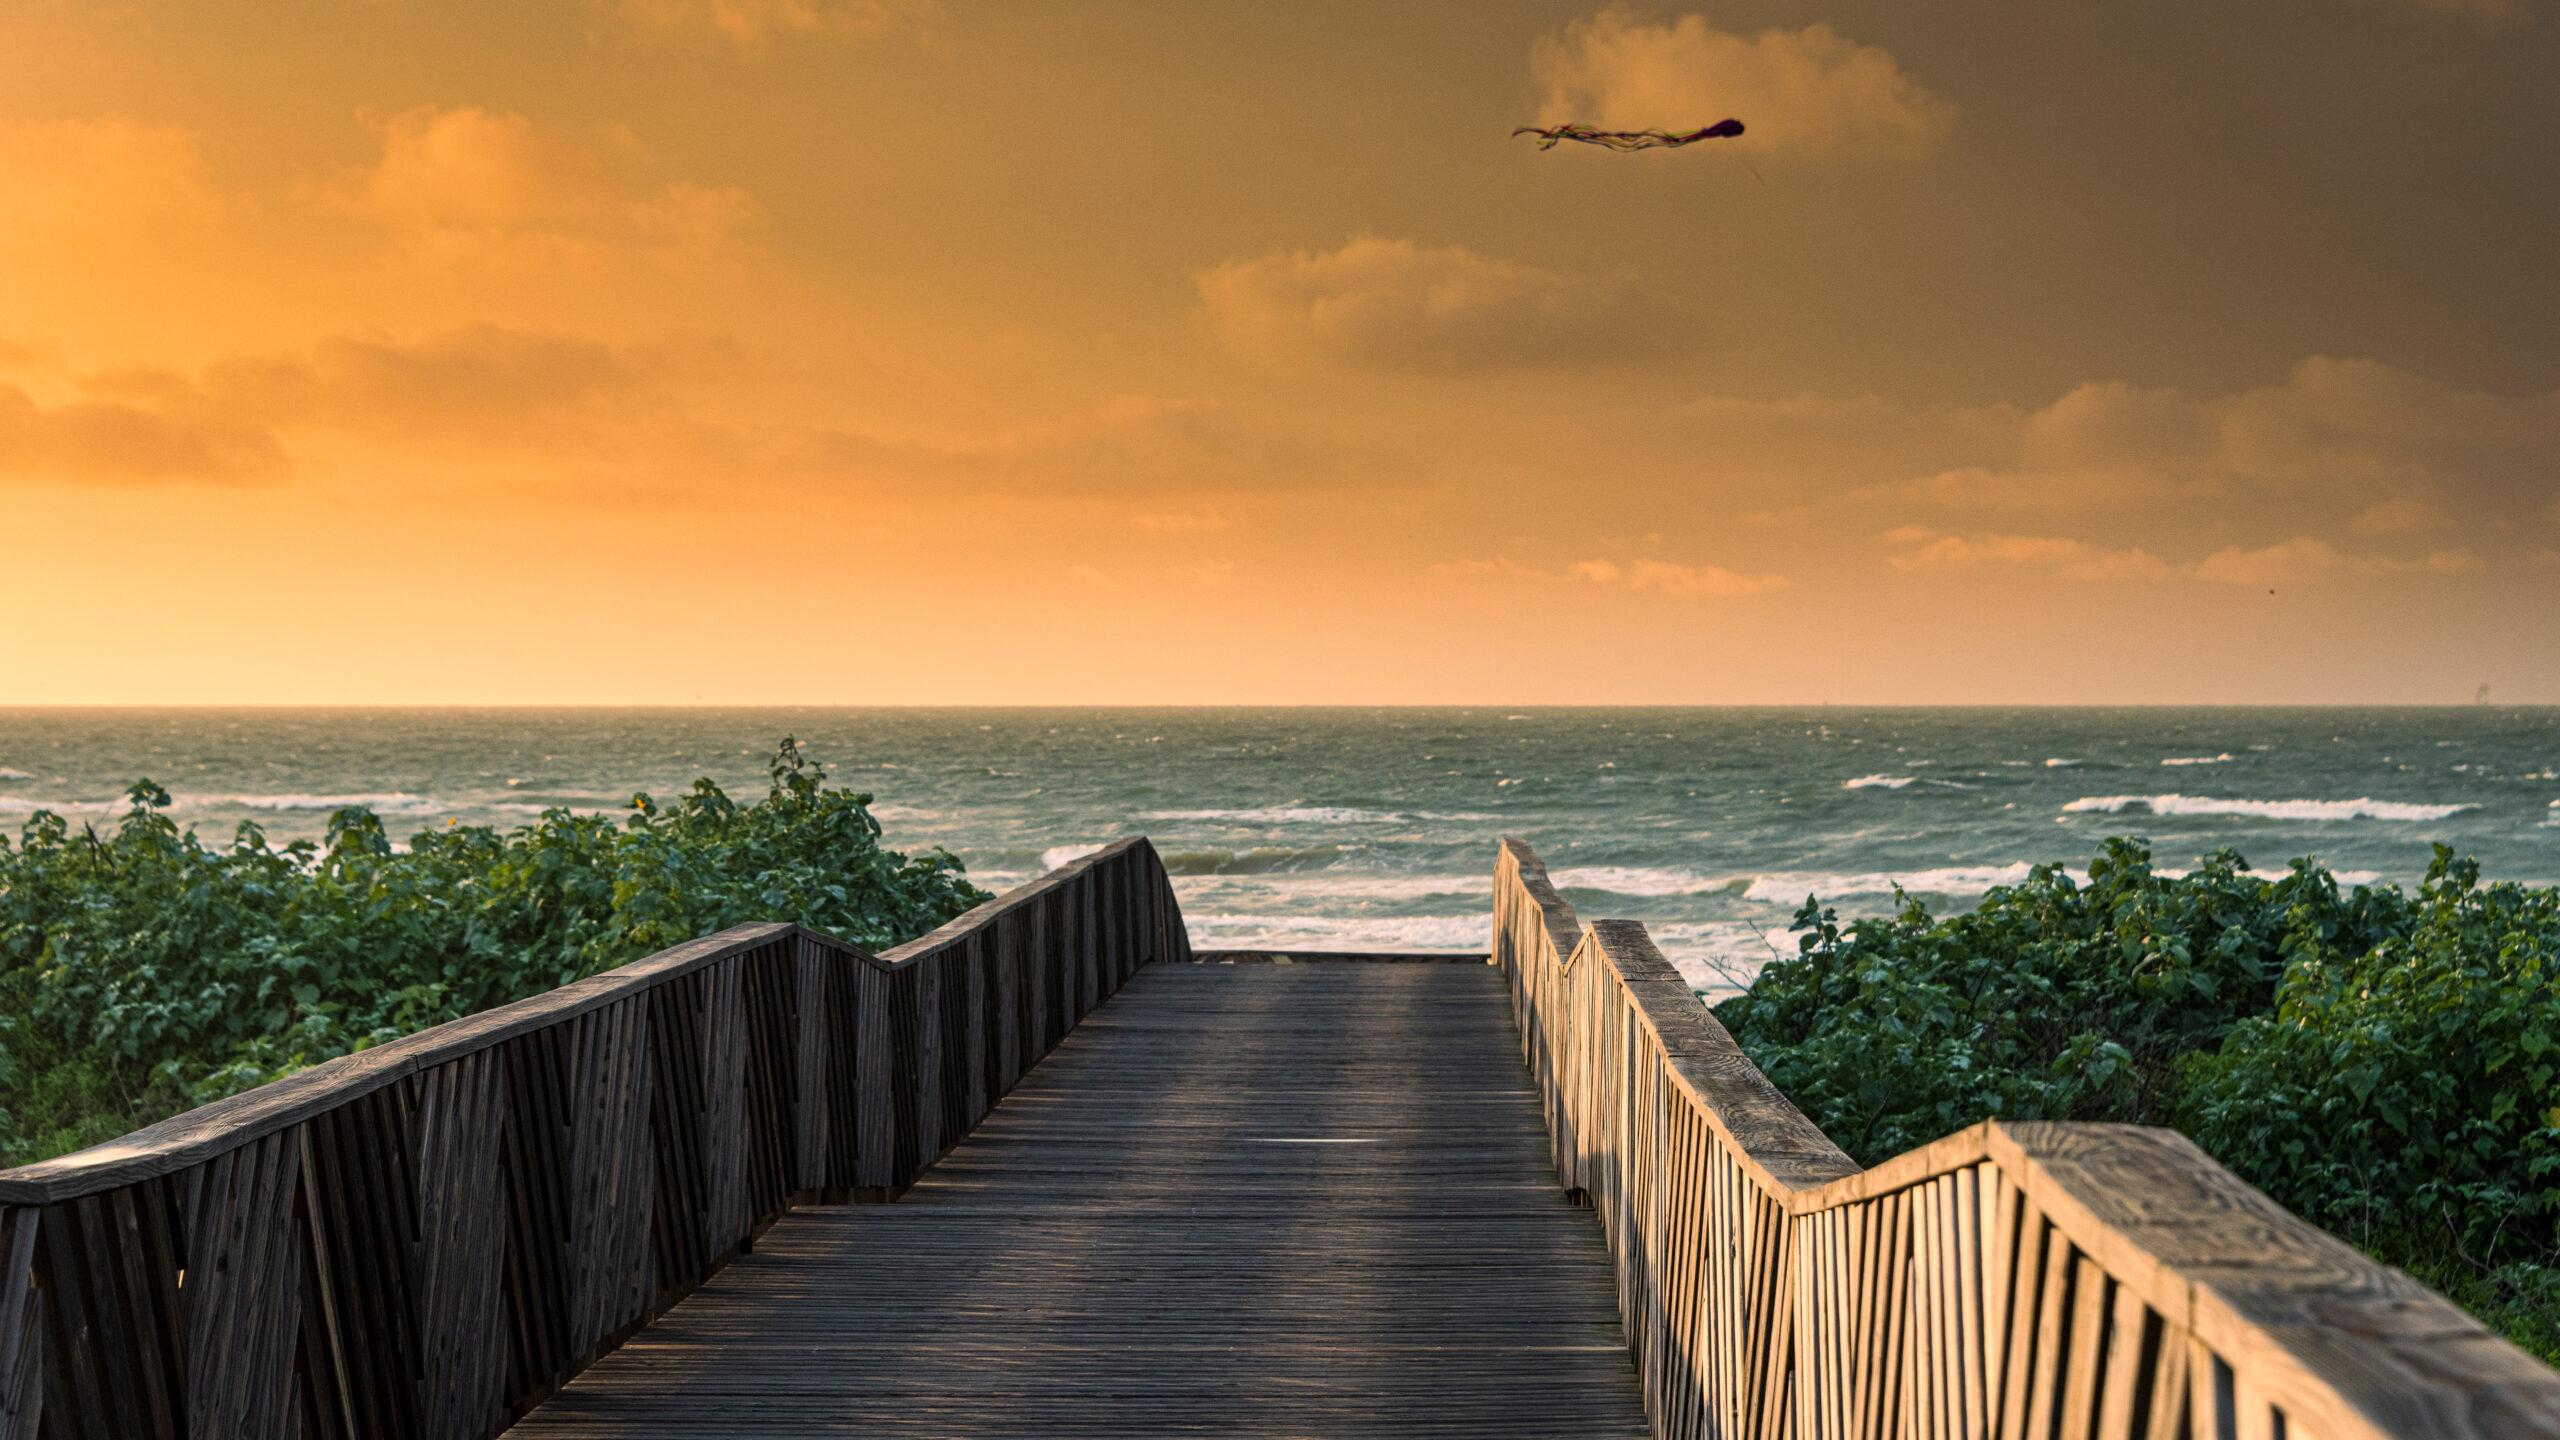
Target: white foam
1286,815
1879,782
392,803
1790,888
1719,958
2199,759
2053,764
1330,885
2361,808
16,805
8,774
2347,878
1320,932
903,812
1057,855
1632,880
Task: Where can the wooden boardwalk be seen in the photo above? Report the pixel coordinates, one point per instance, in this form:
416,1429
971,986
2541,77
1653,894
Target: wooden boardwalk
1245,1199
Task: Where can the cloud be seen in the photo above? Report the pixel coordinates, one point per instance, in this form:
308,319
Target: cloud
1667,578
2069,559
2303,559
752,24
2398,451
117,442
1394,305
472,387
101,177
1811,92
483,183
480,389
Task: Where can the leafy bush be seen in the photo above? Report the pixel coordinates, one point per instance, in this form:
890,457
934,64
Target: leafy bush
2401,1093
2381,1064
144,971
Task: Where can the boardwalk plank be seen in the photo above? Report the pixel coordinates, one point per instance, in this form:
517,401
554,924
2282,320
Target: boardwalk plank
1253,1200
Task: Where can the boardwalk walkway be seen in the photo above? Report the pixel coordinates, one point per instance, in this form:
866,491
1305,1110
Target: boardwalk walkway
1246,1199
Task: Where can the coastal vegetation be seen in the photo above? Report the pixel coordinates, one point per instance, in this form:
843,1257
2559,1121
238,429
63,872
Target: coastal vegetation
2382,1063
143,971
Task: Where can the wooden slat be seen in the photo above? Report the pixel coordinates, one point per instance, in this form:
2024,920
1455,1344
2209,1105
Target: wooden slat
244,1297
21,1327
1113,1255
461,1248
2027,1280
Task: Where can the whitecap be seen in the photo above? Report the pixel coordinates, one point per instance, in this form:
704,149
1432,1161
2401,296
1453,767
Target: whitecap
1057,855
17,805
1791,888
1320,932
2199,759
903,812
2054,764
1287,815
1719,959
2361,808
1632,880
2347,878
1879,782
1323,885
8,774
393,803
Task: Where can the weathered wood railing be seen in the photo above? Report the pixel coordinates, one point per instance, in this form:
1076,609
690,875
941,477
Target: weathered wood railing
2008,1281
419,1241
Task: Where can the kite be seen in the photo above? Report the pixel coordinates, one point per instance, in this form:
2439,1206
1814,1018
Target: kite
1628,139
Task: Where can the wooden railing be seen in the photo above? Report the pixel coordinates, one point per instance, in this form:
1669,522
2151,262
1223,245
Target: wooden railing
2011,1281
421,1240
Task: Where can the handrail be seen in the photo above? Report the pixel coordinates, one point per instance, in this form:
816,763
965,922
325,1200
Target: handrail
2012,1280
422,1240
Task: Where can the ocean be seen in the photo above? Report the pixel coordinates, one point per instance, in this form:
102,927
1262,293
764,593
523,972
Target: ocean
1358,829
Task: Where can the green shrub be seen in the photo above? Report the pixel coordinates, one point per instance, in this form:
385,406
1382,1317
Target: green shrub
2381,1064
2401,1093
143,971
2050,1001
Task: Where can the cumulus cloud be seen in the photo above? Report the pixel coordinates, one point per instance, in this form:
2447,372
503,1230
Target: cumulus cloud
2303,559
483,388
2398,452
1395,305
483,182
476,385
1812,92
2067,558
1667,578
119,442
752,24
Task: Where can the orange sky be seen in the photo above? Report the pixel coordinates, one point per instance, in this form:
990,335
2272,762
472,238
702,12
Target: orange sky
892,351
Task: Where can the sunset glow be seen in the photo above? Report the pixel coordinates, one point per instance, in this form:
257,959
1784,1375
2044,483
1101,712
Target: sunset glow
887,351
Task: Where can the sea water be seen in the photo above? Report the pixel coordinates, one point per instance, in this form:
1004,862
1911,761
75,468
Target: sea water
1359,829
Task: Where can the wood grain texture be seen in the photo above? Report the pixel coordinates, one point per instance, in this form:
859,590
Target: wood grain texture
1139,1241
426,1238
2027,1280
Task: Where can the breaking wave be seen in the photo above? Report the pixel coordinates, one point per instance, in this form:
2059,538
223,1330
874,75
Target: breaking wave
1790,888
1287,815
2361,808
1879,782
